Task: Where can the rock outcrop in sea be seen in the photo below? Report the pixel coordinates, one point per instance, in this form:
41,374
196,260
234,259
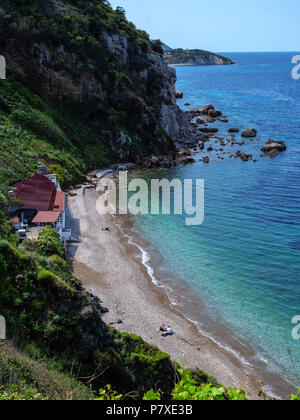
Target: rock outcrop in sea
273,148
194,58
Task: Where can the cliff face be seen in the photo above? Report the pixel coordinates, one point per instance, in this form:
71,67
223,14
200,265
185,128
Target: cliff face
91,59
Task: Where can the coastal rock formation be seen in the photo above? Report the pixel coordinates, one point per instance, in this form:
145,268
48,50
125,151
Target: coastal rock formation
233,130
249,133
273,148
194,58
214,113
129,98
206,109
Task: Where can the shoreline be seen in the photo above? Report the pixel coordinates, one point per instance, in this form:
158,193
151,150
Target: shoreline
111,267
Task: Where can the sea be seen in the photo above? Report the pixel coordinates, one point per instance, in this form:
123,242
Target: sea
237,275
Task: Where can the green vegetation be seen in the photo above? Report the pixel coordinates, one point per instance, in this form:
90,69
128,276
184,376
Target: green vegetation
24,378
56,137
53,320
74,104
68,97
48,243
191,387
181,56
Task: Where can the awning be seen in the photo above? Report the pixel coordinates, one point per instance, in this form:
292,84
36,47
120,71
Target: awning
46,217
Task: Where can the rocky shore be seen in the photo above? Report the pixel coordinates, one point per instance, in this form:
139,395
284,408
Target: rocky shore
204,138
202,143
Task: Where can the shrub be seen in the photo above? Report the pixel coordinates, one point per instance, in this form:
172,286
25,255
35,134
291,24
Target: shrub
49,243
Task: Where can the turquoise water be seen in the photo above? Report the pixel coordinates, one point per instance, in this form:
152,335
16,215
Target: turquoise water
244,261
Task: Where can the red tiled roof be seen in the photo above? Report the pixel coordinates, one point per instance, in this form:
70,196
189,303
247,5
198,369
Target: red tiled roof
15,220
39,193
46,217
59,204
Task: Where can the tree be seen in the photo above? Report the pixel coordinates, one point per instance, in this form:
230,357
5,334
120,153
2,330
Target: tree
49,243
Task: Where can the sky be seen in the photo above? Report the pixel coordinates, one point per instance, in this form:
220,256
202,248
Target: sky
219,25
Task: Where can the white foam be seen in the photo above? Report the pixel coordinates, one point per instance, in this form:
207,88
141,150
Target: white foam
145,256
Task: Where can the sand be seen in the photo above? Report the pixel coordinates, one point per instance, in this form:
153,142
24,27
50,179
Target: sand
112,269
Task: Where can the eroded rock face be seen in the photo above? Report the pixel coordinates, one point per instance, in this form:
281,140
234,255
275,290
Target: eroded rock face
249,133
56,72
273,148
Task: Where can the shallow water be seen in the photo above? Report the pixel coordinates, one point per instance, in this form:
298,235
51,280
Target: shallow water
244,260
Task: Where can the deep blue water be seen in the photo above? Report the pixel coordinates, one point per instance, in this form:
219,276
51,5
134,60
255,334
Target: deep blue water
244,261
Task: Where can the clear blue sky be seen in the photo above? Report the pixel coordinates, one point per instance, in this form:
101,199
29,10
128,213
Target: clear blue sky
219,25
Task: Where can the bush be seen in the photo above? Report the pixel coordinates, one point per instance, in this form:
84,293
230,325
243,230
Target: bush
49,243
157,46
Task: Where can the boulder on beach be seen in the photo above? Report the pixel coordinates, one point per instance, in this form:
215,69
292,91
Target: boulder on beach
272,148
178,94
251,132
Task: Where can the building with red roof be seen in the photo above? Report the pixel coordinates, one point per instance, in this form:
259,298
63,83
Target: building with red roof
40,204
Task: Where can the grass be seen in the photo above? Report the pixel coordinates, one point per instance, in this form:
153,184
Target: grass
22,377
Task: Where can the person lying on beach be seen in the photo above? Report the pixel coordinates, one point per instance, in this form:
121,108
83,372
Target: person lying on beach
162,329
170,331
167,332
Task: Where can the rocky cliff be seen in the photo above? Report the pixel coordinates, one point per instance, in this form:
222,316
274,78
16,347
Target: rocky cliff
90,59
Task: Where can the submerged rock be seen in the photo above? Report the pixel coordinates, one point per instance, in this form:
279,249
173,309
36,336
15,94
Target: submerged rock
233,130
246,157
